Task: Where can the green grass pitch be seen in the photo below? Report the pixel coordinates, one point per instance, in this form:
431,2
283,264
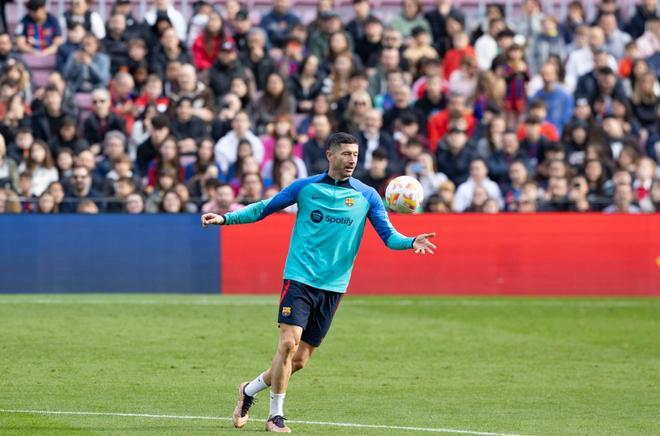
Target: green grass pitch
532,366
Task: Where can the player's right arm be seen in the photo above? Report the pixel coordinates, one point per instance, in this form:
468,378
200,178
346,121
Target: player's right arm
259,210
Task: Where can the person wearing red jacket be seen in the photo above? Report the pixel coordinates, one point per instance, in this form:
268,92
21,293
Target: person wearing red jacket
207,45
438,124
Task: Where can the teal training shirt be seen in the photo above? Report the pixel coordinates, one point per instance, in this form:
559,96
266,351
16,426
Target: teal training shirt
328,229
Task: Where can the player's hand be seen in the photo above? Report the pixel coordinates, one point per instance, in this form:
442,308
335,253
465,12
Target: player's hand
212,218
423,245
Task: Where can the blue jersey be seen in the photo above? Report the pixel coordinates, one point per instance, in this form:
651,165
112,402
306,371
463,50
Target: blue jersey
328,229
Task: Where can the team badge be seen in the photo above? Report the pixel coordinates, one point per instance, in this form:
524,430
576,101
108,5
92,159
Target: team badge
286,311
350,202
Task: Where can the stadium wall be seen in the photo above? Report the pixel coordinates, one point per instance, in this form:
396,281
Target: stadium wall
107,253
541,254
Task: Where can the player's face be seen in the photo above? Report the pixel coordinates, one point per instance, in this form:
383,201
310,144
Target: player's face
343,160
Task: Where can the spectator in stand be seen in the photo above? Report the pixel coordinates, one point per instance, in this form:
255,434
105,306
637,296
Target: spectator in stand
453,57
575,18
577,195
206,46
530,24
79,190
38,32
478,178
67,137
454,156
165,180
8,168
651,203
438,124
371,137
187,128
517,178
152,94
279,22
134,204
443,20
114,147
171,203
73,43
314,150
615,39
189,86
8,54
646,99
159,131
556,196
168,158
283,152
275,101
80,12
464,80
305,85
547,44
225,69
623,200
46,203
649,43
170,49
258,60
644,11
46,121
224,201
115,43
409,18
485,47
226,149
87,68
241,28
582,60
378,174
164,10
559,103
251,189
101,120
361,16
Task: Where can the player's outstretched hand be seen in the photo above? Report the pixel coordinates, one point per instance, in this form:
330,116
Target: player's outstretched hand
423,245
212,218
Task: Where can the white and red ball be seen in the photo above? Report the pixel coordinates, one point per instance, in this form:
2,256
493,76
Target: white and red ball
404,194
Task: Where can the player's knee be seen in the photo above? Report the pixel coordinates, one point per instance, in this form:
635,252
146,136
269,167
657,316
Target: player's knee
288,346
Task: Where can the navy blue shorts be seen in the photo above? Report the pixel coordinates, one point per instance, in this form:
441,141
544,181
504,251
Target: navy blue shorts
308,307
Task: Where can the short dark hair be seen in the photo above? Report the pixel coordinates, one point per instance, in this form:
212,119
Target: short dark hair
337,139
33,5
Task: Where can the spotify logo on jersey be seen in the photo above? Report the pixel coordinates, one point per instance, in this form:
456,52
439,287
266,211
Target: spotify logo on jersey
317,216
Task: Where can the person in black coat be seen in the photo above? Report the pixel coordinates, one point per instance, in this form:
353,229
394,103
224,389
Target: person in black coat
186,125
644,11
258,60
454,156
225,69
101,120
314,149
49,116
115,43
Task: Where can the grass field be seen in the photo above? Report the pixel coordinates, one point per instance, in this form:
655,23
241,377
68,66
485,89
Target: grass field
533,366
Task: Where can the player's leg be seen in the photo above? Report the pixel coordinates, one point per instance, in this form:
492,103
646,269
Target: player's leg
302,356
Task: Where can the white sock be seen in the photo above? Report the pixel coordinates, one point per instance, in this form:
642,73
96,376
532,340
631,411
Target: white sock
255,386
276,404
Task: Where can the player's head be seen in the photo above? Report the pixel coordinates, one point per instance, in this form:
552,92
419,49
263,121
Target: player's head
341,149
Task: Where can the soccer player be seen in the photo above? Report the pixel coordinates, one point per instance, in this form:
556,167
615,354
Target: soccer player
332,211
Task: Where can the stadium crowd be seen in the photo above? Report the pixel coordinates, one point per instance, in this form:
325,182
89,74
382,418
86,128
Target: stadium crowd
518,113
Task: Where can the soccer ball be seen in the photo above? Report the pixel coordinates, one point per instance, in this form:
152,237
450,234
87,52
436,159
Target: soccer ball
404,194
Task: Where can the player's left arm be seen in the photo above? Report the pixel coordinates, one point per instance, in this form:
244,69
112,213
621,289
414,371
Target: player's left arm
393,239
259,210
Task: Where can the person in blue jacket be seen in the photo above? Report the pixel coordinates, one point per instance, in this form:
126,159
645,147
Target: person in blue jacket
332,211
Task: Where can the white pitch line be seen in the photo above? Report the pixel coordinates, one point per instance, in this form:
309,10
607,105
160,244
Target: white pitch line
224,418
